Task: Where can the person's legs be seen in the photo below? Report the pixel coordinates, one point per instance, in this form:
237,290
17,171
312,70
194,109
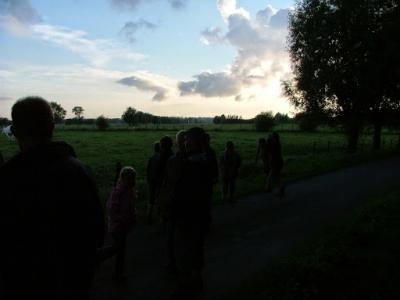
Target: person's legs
120,249
152,200
171,265
232,186
225,184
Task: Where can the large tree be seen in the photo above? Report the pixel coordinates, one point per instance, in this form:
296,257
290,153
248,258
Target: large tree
78,112
337,51
58,111
129,116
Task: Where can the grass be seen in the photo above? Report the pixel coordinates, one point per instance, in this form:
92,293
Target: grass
306,154
357,258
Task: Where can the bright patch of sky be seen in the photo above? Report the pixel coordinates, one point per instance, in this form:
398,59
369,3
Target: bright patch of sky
167,57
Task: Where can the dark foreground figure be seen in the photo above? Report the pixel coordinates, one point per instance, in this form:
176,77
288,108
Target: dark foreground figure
51,220
190,211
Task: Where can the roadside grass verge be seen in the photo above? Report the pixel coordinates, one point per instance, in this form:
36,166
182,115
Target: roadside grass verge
356,258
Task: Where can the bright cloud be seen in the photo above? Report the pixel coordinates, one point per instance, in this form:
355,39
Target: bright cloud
261,54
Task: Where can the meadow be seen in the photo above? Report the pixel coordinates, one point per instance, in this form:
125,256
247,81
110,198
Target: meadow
305,154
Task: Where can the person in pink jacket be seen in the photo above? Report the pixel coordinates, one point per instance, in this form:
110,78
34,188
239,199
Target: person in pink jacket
122,215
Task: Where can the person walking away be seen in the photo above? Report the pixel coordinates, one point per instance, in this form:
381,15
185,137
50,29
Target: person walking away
122,216
152,181
263,153
166,153
51,218
173,174
190,213
276,165
230,162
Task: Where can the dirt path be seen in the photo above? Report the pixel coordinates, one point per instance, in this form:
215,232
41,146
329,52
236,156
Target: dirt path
250,234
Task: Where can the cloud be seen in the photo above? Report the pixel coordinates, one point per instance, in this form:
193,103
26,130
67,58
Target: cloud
97,51
130,28
210,85
261,52
178,4
5,98
123,5
145,85
212,35
21,10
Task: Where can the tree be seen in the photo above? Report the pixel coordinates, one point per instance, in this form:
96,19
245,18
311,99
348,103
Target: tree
102,123
129,116
337,48
264,121
281,118
4,122
307,121
58,112
78,112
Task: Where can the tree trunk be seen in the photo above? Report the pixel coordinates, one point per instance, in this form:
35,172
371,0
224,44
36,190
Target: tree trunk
353,136
377,140
353,132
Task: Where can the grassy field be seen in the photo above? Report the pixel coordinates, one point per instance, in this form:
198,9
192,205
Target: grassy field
356,258
305,154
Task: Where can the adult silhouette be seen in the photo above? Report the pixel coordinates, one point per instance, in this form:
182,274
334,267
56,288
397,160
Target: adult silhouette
230,163
1,159
51,219
190,213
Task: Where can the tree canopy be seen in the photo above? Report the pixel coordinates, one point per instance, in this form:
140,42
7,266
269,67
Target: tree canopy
341,61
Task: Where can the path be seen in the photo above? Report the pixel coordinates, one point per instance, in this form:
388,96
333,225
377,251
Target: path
250,234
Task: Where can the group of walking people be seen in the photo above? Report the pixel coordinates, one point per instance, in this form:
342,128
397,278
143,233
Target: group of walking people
53,223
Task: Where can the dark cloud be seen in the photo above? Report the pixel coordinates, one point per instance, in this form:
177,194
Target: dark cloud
131,28
145,86
178,4
134,4
211,85
22,10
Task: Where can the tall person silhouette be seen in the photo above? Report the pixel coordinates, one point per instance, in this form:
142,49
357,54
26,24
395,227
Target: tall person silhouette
51,219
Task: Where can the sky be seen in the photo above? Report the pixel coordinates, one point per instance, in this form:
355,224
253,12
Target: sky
165,57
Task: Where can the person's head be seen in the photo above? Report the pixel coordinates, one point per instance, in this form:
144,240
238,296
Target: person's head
157,147
127,177
230,146
195,140
166,143
180,139
32,121
262,141
275,140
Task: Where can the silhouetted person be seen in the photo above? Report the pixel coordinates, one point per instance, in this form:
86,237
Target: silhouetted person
190,213
166,153
230,163
276,165
173,173
1,159
263,152
51,219
213,169
122,216
152,165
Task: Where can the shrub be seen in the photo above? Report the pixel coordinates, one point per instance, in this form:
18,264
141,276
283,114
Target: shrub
264,121
102,123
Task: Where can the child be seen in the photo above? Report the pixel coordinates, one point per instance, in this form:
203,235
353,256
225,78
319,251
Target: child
276,165
122,215
230,163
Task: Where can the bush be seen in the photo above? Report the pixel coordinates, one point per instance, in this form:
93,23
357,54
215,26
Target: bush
307,121
264,121
102,123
